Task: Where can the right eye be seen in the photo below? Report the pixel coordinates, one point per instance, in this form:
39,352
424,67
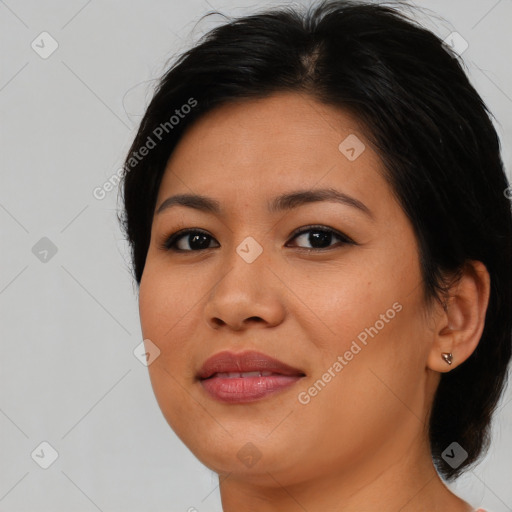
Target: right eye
179,241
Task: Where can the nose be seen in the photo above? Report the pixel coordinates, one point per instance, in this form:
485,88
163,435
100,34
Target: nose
246,294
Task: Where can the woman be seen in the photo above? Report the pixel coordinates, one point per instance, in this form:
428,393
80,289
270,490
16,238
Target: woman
322,243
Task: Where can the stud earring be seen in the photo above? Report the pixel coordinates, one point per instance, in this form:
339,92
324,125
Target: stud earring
447,356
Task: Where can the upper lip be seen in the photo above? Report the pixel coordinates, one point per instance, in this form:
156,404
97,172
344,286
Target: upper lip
249,361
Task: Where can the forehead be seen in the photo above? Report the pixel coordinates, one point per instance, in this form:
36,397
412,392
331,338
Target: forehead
259,147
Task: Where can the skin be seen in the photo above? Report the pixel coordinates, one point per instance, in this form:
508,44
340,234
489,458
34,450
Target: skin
361,443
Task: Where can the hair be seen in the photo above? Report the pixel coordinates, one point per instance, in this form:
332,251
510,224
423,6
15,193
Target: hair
431,129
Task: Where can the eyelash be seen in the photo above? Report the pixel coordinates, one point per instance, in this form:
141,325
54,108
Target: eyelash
168,244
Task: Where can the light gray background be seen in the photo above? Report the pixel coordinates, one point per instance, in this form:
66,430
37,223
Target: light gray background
69,325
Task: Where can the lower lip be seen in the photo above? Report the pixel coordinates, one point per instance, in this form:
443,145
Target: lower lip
236,390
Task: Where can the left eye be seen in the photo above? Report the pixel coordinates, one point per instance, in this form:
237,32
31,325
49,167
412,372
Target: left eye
317,236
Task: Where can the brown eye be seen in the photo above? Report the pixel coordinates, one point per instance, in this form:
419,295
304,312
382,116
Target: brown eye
320,237
196,241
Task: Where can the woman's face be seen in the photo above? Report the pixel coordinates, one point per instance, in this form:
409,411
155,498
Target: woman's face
344,310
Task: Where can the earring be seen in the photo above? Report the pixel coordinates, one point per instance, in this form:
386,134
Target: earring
448,357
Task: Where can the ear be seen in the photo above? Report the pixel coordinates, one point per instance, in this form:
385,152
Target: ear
459,326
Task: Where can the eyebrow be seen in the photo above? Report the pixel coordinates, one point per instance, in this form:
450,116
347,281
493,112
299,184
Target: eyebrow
280,203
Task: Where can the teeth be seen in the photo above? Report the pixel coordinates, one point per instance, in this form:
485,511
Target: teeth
248,374
231,375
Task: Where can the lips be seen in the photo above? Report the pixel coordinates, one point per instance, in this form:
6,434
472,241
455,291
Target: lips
245,365
247,377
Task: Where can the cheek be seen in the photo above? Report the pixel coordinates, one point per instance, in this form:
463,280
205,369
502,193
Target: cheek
166,311
376,381
168,314
342,301
165,298
372,319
